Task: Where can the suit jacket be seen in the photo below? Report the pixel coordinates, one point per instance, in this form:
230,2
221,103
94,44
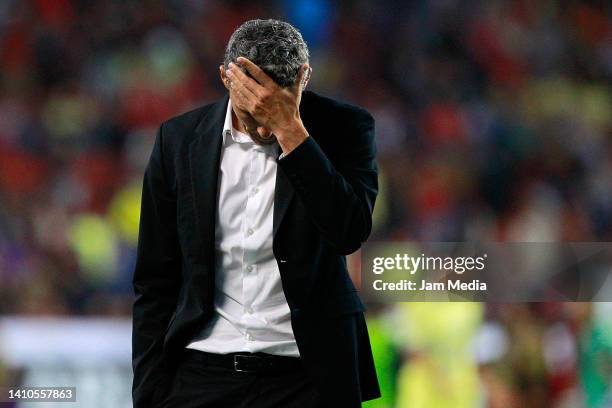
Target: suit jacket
323,202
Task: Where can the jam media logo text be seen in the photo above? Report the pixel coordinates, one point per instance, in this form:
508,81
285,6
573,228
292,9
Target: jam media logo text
412,264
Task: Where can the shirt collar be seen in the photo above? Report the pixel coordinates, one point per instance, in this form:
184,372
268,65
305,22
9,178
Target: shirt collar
228,128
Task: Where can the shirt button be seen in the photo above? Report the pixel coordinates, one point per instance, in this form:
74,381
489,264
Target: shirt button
250,231
249,310
249,268
255,190
249,337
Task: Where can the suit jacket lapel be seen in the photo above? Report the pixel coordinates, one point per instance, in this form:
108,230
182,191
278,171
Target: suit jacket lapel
204,159
283,193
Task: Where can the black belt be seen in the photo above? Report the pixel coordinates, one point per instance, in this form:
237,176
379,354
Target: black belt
247,362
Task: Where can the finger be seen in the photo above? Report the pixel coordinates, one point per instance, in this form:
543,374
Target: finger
247,82
239,99
256,72
242,102
238,86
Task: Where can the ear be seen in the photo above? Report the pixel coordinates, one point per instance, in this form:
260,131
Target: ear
304,76
224,79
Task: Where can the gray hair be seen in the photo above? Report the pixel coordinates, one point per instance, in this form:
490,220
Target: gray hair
275,46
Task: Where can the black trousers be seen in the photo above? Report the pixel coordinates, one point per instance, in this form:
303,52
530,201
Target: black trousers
196,385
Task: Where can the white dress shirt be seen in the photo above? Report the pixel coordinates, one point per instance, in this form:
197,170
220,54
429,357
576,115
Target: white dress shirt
251,311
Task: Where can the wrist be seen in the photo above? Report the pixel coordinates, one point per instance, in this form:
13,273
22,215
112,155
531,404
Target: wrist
291,136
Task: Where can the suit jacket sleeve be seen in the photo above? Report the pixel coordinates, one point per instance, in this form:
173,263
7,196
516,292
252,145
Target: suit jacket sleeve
339,197
156,278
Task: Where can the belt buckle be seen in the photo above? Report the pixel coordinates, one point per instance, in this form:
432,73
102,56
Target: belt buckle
237,362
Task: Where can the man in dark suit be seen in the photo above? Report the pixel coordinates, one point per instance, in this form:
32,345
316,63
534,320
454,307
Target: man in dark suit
249,206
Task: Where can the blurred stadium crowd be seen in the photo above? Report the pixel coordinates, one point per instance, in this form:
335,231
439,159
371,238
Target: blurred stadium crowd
494,122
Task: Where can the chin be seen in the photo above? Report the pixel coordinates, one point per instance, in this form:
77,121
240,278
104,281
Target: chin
262,140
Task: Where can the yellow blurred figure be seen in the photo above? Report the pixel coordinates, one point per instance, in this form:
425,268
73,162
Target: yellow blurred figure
124,212
440,371
95,244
